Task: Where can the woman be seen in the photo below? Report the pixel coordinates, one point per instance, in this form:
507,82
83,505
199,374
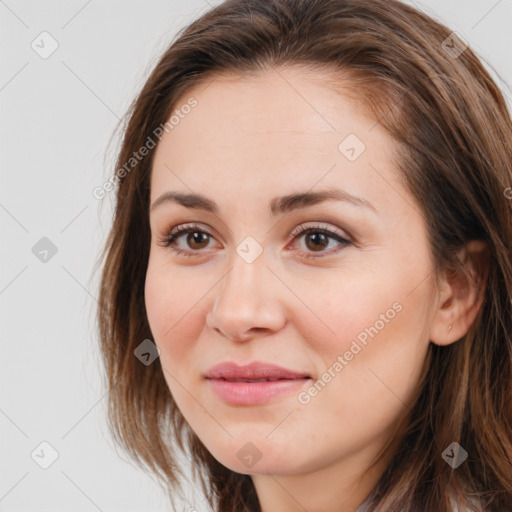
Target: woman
307,286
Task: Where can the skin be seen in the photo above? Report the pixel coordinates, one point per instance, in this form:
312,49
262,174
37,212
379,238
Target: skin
246,142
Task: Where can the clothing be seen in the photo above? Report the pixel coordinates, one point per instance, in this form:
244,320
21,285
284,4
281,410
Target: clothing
364,506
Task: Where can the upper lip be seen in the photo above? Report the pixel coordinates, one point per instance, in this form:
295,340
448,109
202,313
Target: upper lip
254,370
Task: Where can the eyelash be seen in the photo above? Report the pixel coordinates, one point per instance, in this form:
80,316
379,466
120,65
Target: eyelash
169,240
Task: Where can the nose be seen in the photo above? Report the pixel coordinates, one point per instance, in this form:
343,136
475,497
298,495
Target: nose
247,301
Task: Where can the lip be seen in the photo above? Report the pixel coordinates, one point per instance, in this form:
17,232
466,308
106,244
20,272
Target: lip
242,391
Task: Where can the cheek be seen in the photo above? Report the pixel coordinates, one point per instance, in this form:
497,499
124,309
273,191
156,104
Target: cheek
158,301
173,305
346,310
370,338
173,322
372,365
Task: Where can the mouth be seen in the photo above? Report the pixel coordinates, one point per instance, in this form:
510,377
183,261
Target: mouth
255,371
255,383
251,392
258,380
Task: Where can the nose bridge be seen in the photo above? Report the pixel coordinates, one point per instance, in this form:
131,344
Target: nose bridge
246,284
246,297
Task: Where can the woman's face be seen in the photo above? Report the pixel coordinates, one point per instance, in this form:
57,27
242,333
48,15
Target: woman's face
352,315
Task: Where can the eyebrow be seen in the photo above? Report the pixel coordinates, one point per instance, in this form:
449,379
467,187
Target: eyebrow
278,205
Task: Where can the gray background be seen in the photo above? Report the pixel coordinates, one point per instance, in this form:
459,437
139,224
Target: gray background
57,118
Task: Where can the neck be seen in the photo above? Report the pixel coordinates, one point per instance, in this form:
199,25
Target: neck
340,486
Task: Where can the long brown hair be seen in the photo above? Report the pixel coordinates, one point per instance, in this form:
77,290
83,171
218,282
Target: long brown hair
453,136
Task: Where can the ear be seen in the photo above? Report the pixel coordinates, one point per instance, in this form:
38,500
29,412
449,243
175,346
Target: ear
460,299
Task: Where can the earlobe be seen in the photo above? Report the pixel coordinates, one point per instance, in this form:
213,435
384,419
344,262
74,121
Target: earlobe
461,296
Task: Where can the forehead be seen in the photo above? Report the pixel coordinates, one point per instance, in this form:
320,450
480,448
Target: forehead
286,104
282,128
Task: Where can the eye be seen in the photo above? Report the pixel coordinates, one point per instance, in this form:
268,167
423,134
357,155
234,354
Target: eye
317,239
196,237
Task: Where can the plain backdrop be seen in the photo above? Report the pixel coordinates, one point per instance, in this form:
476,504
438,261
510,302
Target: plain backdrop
57,117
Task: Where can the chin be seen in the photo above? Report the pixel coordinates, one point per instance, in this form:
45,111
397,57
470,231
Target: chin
258,456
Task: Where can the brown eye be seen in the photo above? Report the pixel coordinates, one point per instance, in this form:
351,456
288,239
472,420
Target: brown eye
318,241
197,237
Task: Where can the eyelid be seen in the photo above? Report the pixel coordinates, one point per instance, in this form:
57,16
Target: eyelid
320,226
181,229
171,235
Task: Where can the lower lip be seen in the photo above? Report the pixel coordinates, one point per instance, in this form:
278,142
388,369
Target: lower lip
254,393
